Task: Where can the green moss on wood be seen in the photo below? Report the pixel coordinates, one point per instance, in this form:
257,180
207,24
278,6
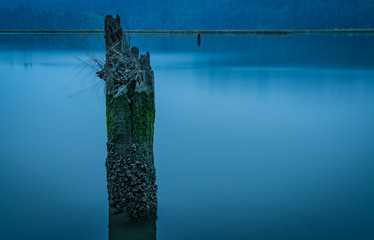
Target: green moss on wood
118,115
143,117
133,119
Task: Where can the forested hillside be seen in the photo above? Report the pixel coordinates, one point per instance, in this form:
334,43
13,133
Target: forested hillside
189,14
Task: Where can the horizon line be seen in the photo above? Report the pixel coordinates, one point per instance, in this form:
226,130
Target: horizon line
191,31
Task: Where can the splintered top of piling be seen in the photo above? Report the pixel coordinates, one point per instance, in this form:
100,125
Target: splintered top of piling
117,46
124,68
113,34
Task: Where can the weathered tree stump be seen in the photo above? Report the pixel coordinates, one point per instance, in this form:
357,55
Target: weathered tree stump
130,112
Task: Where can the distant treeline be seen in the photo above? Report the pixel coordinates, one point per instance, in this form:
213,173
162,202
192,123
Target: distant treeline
189,14
24,17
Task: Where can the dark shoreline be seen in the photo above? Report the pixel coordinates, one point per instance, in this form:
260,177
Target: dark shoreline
193,32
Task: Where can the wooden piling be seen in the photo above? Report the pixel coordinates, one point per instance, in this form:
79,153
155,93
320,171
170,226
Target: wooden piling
130,112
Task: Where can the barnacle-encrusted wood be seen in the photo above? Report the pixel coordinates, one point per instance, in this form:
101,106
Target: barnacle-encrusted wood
130,112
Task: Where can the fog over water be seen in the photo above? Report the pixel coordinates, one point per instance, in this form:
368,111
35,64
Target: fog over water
256,137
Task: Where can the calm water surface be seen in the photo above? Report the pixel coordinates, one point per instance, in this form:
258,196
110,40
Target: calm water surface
256,137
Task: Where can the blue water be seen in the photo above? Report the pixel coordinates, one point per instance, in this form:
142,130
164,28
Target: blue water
256,137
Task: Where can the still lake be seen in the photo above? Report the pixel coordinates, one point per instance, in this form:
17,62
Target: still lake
256,137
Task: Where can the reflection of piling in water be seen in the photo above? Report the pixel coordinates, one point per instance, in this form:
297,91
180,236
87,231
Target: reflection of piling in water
130,112
122,227
198,40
